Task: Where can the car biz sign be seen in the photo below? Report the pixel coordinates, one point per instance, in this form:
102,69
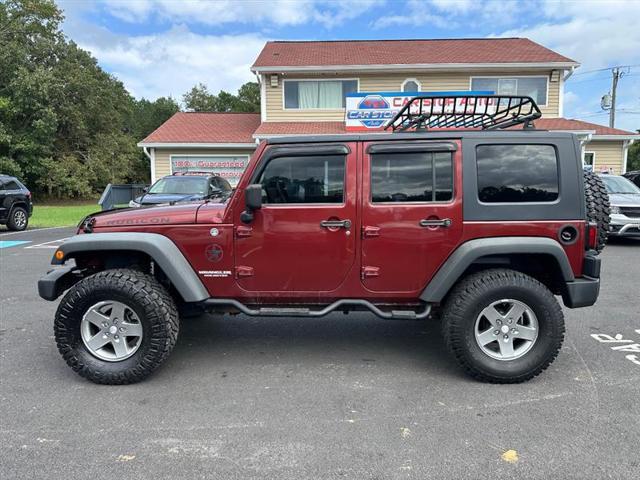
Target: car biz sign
371,111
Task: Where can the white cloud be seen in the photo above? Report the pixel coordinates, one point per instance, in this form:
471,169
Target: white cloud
171,62
277,12
597,34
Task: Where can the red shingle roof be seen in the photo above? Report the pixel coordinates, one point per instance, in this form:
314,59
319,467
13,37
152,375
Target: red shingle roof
570,124
206,127
300,128
405,52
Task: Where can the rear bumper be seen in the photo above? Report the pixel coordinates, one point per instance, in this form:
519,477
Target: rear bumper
54,283
584,291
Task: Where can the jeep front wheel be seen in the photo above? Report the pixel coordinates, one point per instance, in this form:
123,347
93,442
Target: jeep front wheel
116,327
503,326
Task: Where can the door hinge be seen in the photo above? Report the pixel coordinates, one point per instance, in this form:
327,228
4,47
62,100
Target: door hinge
242,231
368,232
368,272
243,271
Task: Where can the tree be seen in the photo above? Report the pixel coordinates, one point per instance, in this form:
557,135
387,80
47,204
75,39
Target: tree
633,156
199,99
67,127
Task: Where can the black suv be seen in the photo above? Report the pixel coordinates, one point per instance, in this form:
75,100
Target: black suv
183,187
15,203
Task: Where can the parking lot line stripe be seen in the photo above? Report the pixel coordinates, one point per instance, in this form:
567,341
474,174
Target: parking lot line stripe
12,243
48,244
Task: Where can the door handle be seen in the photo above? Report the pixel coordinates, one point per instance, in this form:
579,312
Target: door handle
445,222
336,224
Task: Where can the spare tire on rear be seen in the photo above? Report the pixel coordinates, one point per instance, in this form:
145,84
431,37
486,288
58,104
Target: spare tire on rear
598,209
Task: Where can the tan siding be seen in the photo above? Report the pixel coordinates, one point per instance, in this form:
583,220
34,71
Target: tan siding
390,83
163,156
609,155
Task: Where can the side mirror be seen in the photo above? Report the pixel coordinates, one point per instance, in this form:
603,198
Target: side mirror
253,202
145,190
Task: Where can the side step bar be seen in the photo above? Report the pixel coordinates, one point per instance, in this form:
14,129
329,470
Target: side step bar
307,312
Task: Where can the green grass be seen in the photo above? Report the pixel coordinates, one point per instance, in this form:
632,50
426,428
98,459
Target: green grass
60,215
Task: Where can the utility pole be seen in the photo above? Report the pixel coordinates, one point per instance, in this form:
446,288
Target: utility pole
616,74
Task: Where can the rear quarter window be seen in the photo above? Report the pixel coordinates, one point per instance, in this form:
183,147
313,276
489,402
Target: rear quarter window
517,173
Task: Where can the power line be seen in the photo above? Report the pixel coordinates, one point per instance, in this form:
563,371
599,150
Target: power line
604,69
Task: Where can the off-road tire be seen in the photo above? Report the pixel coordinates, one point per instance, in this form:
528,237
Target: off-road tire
477,291
152,304
12,222
598,208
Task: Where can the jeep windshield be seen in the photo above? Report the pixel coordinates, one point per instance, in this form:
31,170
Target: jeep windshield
180,186
621,185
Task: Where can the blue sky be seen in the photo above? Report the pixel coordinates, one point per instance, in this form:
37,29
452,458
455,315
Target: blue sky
164,47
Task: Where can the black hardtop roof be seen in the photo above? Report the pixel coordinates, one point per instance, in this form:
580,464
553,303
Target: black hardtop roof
492,135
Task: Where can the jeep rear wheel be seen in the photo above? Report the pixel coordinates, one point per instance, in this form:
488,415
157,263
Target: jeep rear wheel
116,327
598,208
503,326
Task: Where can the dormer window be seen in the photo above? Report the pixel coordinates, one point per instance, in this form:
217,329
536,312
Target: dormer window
411,85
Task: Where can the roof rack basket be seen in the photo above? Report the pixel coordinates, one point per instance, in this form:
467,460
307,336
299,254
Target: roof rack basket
485,112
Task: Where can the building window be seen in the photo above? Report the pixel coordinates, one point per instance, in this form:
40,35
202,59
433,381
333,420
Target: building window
304,180
517,173
317,94
534,87
411,85
411,177
589,160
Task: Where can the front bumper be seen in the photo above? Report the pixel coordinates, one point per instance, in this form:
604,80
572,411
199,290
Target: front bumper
56,281
623,226
583,291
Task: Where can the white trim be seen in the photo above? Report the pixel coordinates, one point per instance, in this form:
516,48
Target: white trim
593,165
263,98
341,109
203,155
197,145
411,79
616,137
414,66
625,154
515,77
560,96
153,165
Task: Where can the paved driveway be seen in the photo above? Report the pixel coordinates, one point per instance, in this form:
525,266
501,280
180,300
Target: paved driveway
340,397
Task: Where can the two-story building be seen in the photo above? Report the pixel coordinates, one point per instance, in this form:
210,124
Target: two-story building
306,87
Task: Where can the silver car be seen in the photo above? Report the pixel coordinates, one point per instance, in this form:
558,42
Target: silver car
624,197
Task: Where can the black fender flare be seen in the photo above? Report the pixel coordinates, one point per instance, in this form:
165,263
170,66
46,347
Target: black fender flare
467,253
161,249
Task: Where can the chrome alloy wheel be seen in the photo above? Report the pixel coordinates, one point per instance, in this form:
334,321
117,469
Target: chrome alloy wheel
20,219
111,331
506,329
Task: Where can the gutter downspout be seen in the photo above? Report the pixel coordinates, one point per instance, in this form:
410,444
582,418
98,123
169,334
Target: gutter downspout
569,73
625,149
151,163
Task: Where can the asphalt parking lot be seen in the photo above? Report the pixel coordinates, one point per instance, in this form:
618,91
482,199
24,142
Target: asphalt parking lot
339,397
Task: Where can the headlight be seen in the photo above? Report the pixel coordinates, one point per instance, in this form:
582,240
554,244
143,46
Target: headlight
615,209
133,204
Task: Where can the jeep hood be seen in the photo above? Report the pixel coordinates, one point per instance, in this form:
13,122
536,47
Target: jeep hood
127,217
624,200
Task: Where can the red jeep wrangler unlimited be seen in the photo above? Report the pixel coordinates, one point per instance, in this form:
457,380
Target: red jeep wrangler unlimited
454,215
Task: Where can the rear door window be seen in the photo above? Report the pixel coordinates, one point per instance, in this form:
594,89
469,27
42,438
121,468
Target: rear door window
411,177
517,173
